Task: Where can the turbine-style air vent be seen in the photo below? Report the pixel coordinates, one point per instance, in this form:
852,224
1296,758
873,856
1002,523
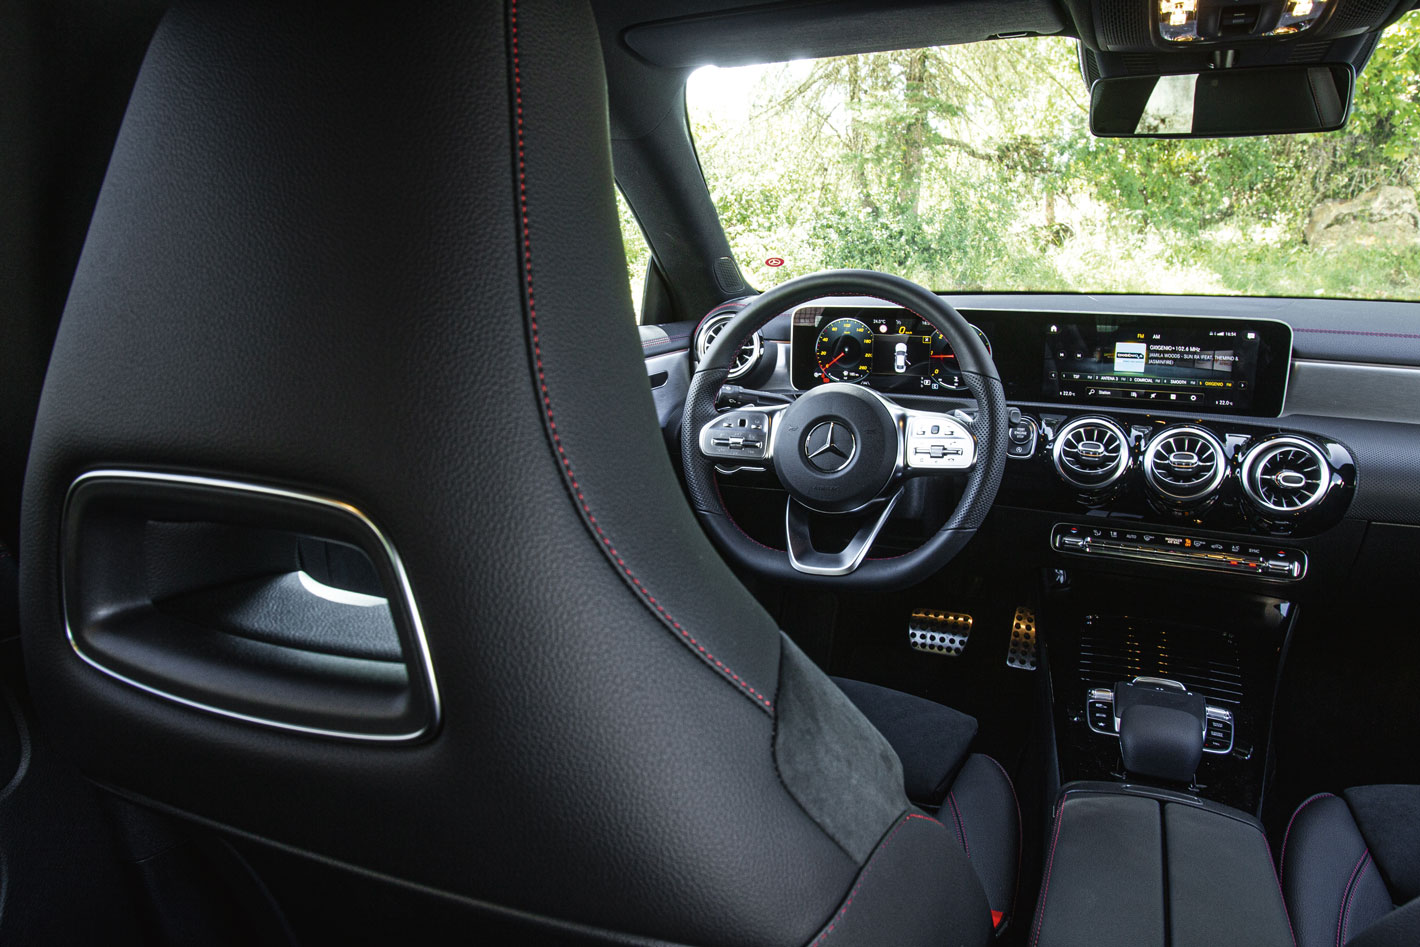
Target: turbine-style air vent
1184,464
1285,475
1091,453
745,359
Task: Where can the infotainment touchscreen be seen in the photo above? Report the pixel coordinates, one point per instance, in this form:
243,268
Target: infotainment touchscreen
1179,363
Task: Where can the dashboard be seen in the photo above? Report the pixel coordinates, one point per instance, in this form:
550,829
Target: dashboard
1299,437
1091,393
1220,365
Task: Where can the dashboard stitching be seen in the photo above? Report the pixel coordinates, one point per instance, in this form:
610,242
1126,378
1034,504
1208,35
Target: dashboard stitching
1374,335
670,338
566,462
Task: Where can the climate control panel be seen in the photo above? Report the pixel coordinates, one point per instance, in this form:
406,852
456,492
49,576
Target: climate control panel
1173,548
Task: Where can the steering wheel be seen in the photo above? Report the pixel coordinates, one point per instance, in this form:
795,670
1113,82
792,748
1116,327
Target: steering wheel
844,450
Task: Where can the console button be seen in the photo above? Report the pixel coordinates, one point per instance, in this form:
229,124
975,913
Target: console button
1100,716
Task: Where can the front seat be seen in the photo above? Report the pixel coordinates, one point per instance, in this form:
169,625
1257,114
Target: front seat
362,261
1351,868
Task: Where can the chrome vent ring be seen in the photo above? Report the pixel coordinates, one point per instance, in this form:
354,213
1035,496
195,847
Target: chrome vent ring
1185,463
1091,453
1286,475
745,359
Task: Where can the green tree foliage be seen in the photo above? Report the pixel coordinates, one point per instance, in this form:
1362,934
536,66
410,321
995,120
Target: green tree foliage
971,167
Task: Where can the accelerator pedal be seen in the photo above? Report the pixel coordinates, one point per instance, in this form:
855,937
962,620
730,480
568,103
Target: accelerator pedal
1020,653
938,632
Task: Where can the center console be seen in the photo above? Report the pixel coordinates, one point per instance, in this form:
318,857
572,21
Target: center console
1222,647
1177,871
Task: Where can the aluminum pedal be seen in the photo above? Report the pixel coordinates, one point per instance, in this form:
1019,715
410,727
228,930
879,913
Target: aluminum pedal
937,632
1020,653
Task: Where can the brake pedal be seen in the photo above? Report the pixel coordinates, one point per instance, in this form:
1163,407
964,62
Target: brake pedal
1020,653
937,632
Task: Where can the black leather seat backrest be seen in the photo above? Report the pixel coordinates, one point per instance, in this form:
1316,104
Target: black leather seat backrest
372,254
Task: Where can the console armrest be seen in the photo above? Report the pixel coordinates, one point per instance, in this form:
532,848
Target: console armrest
1129,867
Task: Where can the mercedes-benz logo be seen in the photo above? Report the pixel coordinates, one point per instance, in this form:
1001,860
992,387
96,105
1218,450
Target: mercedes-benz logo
829,446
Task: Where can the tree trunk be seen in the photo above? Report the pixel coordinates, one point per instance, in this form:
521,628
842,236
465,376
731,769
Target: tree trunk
914,139
855,137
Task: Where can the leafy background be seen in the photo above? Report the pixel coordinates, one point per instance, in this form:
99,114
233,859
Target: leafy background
972,167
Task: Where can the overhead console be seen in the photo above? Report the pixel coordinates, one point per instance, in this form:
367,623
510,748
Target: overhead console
1207,364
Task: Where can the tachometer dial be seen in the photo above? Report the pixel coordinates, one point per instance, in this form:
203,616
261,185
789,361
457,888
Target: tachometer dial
844,350
944,370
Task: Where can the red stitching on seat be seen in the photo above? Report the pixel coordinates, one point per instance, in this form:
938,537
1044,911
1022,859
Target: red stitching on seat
1282,857
961,828
1049,866
843,911
1283,895
547,401
1342,919
1020,838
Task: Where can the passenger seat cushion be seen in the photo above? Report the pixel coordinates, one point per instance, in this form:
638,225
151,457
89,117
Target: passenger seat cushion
931,740
981,810
1329,876
1389,820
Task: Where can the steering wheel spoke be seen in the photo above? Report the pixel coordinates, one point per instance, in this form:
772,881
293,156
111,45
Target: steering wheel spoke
740,436
805,558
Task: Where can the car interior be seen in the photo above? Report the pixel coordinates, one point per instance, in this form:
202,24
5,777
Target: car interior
378,566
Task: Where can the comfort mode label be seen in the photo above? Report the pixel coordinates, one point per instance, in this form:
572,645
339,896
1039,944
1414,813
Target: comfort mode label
1129,357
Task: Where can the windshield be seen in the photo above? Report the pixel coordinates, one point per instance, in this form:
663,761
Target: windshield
971,168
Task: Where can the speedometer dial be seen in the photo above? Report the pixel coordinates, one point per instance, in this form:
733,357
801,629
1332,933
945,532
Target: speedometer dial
844,350
944,370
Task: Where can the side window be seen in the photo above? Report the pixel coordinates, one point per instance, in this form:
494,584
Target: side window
638,253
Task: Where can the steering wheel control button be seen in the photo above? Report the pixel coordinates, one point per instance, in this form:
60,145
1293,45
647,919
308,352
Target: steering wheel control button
937,442
742,435
830,446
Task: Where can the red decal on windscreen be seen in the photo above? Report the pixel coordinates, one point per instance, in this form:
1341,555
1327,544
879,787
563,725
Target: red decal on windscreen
774,261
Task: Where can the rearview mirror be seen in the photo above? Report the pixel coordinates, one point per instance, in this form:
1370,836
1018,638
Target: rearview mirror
1274,100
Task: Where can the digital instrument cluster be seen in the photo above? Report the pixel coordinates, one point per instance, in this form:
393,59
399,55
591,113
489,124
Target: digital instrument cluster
889,349
1145,362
